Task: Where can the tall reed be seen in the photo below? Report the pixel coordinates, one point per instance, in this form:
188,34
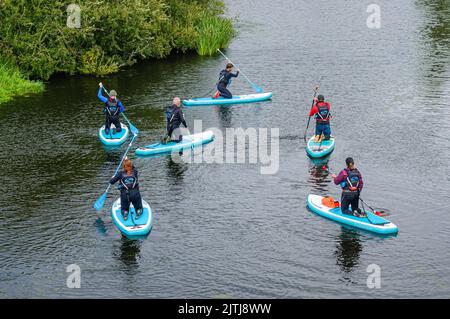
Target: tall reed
214,32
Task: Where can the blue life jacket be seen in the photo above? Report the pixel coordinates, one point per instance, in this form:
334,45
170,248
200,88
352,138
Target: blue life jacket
112,107
129,181
352,179
169,111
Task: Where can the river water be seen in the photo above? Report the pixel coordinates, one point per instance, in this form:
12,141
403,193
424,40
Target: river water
228,230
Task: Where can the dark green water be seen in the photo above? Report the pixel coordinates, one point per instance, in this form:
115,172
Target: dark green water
226,229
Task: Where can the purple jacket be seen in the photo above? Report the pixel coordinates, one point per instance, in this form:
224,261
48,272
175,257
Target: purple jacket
343,176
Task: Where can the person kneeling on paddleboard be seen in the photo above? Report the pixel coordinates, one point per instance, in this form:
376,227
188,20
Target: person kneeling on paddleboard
113,107
321,110
176,119
224,80
350,179
129,189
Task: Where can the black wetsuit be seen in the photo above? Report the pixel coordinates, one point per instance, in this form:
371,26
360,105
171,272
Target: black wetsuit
176,120
112,110
224,79
129,190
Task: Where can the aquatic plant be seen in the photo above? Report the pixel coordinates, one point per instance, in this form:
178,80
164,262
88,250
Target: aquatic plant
14,83
214,32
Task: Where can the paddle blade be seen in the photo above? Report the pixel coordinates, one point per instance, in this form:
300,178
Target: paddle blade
376,220
100,202
133,129
257,88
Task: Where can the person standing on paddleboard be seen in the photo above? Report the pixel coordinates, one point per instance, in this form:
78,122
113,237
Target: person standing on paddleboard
175,121
321,110
351,182
224,80
113,107
129,189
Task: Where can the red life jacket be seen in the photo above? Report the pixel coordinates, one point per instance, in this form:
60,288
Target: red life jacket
323,112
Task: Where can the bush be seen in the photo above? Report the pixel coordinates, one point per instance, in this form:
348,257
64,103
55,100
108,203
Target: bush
114,33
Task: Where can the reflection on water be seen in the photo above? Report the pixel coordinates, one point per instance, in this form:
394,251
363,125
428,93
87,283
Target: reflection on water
318,169
130,251
176,169
100,227
348,249
225,115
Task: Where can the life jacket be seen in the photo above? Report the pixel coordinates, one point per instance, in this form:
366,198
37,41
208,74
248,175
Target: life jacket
323,113
169,112
352,180
112,107
129,181
223,77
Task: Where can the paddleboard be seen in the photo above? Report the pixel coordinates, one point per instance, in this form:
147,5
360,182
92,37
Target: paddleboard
236,99
372,222
317,150
188,141
132,227
113,139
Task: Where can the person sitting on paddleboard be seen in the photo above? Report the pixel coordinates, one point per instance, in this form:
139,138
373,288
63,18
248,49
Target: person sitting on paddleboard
321,110
176,119
113,107
129,189
350,179
224,80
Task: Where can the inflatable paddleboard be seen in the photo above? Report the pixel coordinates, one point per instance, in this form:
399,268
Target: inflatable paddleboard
113,139
317,150
188,141
236,99
328,208
132,227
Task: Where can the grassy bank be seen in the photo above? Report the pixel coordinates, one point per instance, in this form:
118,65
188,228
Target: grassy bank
14,83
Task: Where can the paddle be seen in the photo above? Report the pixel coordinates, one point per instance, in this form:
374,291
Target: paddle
254,86
133,129
309,117
101,200
376,213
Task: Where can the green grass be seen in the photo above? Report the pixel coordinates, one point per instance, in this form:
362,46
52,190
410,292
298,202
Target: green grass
213,33
14,83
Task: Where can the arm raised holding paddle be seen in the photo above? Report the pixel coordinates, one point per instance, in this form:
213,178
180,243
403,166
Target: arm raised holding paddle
114,101
254,86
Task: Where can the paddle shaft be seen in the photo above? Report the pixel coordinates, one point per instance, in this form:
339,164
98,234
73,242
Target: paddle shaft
309,117
123,158
253,84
